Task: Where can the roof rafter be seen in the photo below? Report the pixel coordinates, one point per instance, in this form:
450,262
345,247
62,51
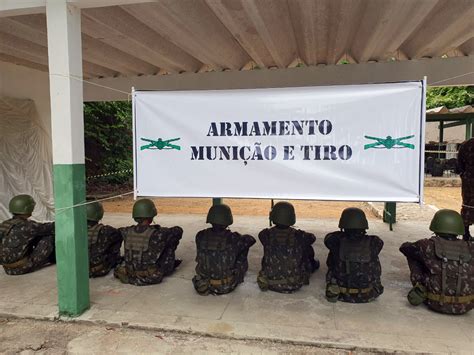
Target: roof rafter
386,25
211,44
116,27
273,23
449,24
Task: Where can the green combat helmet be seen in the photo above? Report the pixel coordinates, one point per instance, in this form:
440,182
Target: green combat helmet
95,211
22,204
353,218
144,208
447,222
220,214
283,213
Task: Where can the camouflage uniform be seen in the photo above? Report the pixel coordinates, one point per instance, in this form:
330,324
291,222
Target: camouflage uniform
149,254
288,259
354,268
221,260
104,248
432,260
466,169
25,245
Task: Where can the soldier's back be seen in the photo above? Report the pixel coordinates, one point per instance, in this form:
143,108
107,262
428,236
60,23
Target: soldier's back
354,269
283,260
16,236
447,270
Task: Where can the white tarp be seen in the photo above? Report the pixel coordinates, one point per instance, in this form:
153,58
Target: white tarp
355,143
25,158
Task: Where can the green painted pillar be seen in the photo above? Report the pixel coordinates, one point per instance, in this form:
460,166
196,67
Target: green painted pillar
71,239
390,213
217,201
67,126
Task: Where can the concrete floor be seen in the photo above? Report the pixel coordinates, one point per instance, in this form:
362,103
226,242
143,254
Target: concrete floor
387,324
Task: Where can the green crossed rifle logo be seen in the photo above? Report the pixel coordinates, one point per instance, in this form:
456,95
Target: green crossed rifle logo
389,143
160,144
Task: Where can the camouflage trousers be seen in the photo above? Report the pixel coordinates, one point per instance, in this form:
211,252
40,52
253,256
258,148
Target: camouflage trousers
204,286
107,262
468,200
41,254
142,275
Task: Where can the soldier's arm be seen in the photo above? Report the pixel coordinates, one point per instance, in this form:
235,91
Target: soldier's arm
263,236
377,244
114,233
411,250
309,238
243,241
42,229
176,232
172,234
331,240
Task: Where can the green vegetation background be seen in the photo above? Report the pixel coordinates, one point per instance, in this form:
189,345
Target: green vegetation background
108,132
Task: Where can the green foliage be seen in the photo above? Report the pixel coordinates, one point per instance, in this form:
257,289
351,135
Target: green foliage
108,139
449,96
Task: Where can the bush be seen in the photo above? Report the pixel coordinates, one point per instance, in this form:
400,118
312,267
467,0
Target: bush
451,97
108,139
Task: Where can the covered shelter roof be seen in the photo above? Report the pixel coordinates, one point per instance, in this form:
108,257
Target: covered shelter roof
207,44
445,114
141,38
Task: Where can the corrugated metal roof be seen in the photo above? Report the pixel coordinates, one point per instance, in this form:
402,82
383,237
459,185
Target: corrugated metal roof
445,110
170,36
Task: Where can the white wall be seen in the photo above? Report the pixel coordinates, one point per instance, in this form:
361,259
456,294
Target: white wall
24,83
451,135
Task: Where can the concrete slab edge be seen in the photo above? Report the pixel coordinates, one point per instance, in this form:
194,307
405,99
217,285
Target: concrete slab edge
164,329
376,211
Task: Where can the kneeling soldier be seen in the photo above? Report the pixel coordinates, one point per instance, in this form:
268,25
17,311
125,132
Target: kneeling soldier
354,268
221,254
25,245
442,267
104,242
288,258
149,249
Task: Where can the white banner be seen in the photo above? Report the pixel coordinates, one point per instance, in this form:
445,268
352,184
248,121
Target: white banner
353,143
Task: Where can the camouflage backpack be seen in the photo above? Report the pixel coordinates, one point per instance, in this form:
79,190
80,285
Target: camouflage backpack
215,255
455,274
10,246
136,245
356,267
283,257
93,233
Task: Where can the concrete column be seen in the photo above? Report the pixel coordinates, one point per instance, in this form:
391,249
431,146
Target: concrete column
65,64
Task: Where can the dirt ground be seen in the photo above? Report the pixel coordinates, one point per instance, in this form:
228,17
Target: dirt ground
444,197
441,197
44,337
